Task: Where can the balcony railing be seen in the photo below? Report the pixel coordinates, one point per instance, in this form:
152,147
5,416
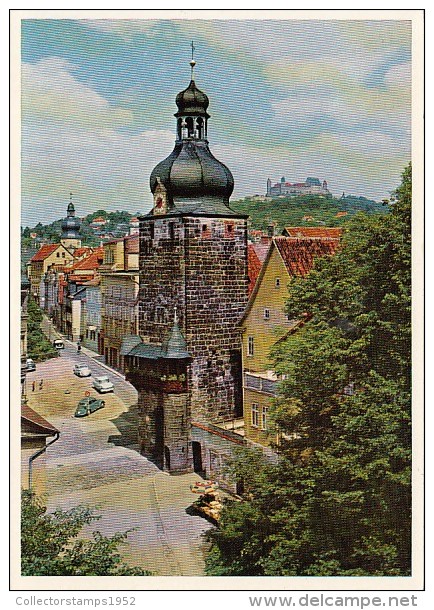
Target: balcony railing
260,384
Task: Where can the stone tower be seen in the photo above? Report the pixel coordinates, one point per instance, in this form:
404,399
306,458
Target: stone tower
193,260
70,237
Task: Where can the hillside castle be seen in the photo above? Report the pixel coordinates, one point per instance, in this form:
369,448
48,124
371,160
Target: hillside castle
312,186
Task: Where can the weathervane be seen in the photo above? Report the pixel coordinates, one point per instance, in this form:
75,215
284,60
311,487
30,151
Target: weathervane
192,63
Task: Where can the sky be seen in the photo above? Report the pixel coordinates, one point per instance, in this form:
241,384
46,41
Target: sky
328,99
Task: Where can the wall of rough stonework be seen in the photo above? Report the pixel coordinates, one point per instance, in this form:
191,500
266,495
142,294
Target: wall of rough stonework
198,265
151,428
161,264
164,430
177,433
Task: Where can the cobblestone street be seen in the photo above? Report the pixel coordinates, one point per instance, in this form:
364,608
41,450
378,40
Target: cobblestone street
95,462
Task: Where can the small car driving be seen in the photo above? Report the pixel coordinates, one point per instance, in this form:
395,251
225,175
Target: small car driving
82,370
30,365
88,405
103,384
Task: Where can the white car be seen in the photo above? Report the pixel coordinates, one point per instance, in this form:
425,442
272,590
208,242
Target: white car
103,384
30,364
82,370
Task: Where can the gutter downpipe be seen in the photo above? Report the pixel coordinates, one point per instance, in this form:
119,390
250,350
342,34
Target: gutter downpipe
37,454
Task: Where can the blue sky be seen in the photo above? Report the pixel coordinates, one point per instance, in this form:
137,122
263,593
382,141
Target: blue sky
329,99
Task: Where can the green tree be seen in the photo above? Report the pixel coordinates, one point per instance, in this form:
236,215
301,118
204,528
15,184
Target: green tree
339,500
38,346
50,545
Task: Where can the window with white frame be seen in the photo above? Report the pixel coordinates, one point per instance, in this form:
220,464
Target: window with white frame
264,423
266,314
277,282
250,346
255,415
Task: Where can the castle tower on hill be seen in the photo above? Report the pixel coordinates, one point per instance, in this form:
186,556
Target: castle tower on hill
70,237
193,269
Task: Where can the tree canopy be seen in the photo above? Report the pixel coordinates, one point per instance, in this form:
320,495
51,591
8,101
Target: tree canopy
50,545
304,210
38,346
338,502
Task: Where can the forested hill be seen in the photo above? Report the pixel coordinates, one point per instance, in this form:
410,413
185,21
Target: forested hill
305,210
116,223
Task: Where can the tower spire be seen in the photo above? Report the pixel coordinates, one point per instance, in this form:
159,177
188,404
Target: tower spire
71,209
192,62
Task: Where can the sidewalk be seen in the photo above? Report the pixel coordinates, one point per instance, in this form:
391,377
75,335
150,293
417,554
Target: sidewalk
84,350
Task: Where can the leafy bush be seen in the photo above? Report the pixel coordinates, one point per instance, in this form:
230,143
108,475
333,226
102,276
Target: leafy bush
50,545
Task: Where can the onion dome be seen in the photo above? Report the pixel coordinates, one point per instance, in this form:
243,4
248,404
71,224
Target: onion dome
70,224
191,179
191,170
192,101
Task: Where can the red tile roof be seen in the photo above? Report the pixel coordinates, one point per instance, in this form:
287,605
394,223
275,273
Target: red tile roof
37,420
91,262
299,254
253,266
44,252
80,278
313,232
78,252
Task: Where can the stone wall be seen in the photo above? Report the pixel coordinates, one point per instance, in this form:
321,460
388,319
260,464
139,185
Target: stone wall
199,266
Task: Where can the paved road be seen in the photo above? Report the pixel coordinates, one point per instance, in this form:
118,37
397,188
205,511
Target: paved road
96,462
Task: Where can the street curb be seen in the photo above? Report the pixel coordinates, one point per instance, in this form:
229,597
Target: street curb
103,364
86,351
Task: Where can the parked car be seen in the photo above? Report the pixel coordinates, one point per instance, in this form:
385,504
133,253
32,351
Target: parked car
103,384
30,365
82,370
88,405
58,344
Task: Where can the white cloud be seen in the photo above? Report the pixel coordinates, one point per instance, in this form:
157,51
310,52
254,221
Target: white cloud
124,28
71,140
51,92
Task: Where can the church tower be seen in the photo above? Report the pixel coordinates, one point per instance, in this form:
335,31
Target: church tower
71,229
193,261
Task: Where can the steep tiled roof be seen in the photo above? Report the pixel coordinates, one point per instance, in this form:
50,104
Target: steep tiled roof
253,266
299,254
79,252
313,232
28,415
44,252
91,262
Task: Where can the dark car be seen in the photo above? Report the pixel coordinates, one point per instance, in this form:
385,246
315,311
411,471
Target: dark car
88,405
